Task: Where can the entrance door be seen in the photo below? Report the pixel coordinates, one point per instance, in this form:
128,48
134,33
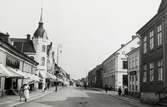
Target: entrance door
125,80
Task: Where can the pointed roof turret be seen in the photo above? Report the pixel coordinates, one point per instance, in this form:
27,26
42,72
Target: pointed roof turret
40,32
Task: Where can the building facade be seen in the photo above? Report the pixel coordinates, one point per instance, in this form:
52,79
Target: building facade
39,48
95,77
153,56
115,66
133,58
15,67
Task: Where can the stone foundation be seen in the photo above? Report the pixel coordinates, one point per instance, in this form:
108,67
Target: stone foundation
150,98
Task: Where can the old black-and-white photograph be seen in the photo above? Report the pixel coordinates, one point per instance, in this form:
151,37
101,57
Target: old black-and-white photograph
83,53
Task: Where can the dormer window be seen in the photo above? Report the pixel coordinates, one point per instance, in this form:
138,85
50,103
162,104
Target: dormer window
43,48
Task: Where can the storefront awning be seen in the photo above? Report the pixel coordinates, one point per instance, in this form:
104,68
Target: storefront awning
9,73
50,76
59,80
42,74
32,79
19,72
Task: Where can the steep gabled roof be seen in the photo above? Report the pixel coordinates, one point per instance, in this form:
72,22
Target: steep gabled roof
16,52
162,6
119,49
23,45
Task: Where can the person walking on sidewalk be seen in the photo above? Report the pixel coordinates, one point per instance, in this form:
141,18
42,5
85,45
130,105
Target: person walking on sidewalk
119,91
26,92
55,83
110,89
106,88
21,92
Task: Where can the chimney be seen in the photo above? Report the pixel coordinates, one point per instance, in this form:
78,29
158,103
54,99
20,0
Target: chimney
28,36
133,37
122,45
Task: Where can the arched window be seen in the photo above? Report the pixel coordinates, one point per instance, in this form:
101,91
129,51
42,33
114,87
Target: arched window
43,61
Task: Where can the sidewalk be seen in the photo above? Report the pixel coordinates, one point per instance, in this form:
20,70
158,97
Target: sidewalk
11,101
127,99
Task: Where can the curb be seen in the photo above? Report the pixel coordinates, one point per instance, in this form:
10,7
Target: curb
133,102
32,99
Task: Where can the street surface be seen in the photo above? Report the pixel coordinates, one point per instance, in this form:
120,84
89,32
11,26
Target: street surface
77,97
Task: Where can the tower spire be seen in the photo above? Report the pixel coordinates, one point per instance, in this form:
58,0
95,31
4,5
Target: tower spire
41,21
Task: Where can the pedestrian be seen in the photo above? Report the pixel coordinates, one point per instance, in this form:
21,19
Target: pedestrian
119,91
26,92
110,89
85,85
55,86
106,88
126,91
21,92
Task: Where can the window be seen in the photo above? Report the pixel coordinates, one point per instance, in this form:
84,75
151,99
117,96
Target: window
129,78
125,64
132,78
151,71
159,35
129,64
151,35
133,87
136,78
43,48
43,61
145,73
145,44
133,63
160,70
0,82
136,87
136,62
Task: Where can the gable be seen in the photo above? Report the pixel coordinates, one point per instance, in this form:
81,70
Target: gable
162,6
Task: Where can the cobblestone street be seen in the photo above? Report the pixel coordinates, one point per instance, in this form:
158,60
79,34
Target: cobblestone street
78,97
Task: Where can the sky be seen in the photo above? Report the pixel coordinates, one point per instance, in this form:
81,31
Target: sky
88,30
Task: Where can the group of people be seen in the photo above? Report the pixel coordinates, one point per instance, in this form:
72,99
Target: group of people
24,92
121,91
108,88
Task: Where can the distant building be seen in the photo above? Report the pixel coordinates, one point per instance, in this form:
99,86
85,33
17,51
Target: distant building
95,77
154,56
134,72
115,66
